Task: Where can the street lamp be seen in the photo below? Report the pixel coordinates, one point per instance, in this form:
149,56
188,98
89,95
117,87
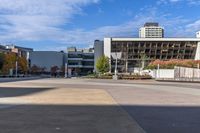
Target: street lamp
66,70
16,68
116,56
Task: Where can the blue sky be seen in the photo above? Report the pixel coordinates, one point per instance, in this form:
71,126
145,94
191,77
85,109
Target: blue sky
58,24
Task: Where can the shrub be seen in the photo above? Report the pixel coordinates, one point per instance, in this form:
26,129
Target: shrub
103,65
170,64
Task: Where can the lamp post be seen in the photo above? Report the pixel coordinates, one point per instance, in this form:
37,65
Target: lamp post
16,68
116,56
66,70
116,67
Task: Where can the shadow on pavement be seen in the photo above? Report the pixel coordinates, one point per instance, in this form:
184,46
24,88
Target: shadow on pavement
166,119
14,92
98,119
66,119
4,80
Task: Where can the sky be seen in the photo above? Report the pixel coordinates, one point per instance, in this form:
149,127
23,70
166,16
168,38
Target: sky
58,24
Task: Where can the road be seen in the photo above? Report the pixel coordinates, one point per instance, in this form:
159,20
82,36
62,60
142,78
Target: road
99,106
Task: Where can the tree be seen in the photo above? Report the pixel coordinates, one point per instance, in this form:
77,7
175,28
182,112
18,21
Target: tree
170,64
22,64
143,59
2,59
103,65
9,62
54,70
35,69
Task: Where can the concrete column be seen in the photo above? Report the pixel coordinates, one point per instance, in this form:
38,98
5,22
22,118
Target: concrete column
197,56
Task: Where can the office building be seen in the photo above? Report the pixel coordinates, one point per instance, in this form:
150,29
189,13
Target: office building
47,59
151,30
133,49
79,61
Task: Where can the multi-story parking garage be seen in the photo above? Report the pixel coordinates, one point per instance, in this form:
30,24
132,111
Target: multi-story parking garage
133,49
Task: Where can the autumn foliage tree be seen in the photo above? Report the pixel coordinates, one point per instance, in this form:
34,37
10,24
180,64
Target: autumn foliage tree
35,69
170,64
2,58
54,70
22,65
9,62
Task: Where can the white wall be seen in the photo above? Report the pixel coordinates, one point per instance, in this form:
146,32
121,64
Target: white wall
107,47
163,73
198,34
197,56
142,32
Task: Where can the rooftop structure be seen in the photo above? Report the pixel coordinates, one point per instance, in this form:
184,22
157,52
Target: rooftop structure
151,30
198,34
20,51
151,24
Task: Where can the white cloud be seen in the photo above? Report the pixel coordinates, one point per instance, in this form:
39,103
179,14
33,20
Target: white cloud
193,26
190,2
37,19
174,27
194,2
40,20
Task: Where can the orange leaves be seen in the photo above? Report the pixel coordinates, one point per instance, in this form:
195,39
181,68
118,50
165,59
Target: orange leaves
170,64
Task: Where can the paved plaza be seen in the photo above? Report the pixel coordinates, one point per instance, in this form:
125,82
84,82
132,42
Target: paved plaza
99,106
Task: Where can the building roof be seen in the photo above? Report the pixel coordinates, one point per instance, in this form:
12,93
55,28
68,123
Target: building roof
150,24
3,49
156,39
18,47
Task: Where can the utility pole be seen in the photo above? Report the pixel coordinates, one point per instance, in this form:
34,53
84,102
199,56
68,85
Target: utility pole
158,72
116,65
198,70
66,70
16,68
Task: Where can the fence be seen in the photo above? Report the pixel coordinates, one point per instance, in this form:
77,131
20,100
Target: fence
163,74
186,74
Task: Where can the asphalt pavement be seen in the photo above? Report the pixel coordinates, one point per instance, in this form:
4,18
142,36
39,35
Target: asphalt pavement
93,106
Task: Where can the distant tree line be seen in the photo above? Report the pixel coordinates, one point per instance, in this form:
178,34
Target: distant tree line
54,70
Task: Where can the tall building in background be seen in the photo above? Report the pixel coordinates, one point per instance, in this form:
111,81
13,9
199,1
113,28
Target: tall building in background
151,30
198,34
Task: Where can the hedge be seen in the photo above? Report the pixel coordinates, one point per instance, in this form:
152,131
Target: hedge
170,64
